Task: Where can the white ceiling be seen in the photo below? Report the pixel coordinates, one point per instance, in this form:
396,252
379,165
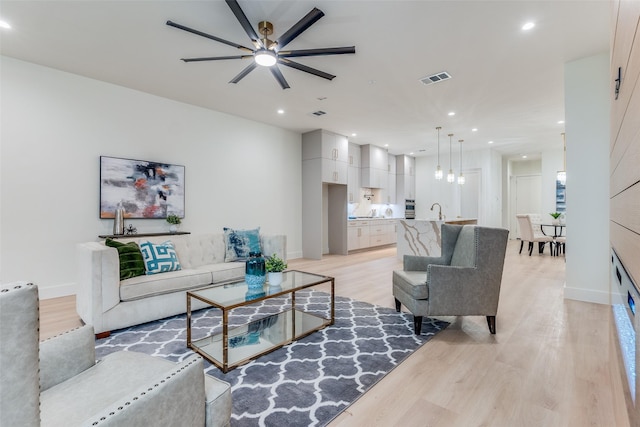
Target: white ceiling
506,82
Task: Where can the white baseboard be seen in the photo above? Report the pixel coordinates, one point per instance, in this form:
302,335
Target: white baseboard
294,255
585,295
57,291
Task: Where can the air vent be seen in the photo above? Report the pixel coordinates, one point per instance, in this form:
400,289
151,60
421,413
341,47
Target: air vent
438,77
319,113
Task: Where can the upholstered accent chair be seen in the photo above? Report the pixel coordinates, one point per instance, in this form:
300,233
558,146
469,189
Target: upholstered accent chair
58,382
463,281
532,235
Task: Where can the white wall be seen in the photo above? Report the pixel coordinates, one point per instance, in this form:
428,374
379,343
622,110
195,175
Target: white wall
587,130
429,190
55,125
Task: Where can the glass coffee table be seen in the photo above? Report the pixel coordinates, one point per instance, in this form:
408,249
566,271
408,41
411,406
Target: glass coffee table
237,344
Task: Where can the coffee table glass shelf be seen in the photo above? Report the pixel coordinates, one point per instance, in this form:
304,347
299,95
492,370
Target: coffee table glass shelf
238,344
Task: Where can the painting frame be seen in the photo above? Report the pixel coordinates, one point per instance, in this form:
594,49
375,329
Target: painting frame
147,189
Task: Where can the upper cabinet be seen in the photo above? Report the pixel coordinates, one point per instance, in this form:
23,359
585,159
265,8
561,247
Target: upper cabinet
405,178
353,178
333,151
374,167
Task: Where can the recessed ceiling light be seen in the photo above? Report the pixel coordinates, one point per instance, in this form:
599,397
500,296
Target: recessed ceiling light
474,130
386,145
524,156
411,153
5,25
560,122
490,142
528,26
452,113
280,111
354,134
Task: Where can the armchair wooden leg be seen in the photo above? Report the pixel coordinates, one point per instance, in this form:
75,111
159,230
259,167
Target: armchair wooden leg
530,248
398,305
491,321
104,334
521,245
417,324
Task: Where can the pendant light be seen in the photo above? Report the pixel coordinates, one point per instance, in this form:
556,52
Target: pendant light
562,175
450,176
438,169
461,176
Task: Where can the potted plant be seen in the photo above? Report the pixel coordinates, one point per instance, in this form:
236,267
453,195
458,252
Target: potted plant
555,216
174,220
275,266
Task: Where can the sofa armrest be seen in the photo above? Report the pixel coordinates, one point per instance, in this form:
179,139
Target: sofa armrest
175,398
98,282
419,263
274,244
66,355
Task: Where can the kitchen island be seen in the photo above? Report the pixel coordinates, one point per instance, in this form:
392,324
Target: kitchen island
422,236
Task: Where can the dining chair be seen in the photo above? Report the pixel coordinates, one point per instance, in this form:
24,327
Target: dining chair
527,234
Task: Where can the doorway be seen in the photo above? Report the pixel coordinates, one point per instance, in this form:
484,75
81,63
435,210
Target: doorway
523,198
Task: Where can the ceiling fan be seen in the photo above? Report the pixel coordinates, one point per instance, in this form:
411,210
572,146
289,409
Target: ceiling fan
266,52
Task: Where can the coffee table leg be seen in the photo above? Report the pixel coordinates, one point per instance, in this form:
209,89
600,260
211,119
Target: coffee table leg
225,341
293,315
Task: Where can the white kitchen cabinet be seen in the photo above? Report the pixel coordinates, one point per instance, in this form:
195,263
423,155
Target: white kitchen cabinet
405,178
358,235
353,173
332,149
372,233
373,167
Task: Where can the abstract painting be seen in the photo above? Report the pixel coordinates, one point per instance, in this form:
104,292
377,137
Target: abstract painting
146,189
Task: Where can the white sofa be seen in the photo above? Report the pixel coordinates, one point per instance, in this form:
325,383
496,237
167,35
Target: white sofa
107,303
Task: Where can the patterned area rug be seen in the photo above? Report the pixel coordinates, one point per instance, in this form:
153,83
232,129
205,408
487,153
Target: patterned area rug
306,383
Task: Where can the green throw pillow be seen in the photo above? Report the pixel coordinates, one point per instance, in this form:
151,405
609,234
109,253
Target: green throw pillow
131,262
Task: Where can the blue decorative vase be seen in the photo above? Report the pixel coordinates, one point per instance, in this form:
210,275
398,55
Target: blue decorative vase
255,270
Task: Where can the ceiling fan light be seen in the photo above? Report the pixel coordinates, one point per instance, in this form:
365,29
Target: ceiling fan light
265,58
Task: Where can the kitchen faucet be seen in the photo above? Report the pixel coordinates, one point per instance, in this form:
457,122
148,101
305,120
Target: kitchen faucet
439,210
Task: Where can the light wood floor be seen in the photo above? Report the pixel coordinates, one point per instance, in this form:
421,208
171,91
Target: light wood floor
551,363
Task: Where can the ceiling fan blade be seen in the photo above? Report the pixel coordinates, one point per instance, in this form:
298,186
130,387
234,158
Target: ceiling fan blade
279,77
242,18
244,72
216,58
308,20
317,52
306,69
209,36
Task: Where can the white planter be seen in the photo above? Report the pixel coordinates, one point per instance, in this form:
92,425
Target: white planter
275,278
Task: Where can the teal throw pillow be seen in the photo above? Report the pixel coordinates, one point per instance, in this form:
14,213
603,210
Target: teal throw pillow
160,258
131,262
240,243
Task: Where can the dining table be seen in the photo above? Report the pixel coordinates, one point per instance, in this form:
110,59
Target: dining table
558,231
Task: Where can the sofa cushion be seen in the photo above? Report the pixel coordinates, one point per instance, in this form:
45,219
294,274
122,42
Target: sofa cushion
119,374
413,283
165,283
159,258
131,261
225,272
240,243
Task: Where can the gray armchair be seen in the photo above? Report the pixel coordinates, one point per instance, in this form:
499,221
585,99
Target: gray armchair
464,281
58,383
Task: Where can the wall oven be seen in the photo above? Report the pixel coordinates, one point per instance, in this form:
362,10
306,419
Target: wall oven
410,209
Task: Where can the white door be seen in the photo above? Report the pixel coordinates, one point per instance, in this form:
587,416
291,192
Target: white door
524,198
470,197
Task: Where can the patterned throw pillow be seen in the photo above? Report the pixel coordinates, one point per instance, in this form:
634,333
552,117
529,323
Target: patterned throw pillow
131,262
239,243
159,258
